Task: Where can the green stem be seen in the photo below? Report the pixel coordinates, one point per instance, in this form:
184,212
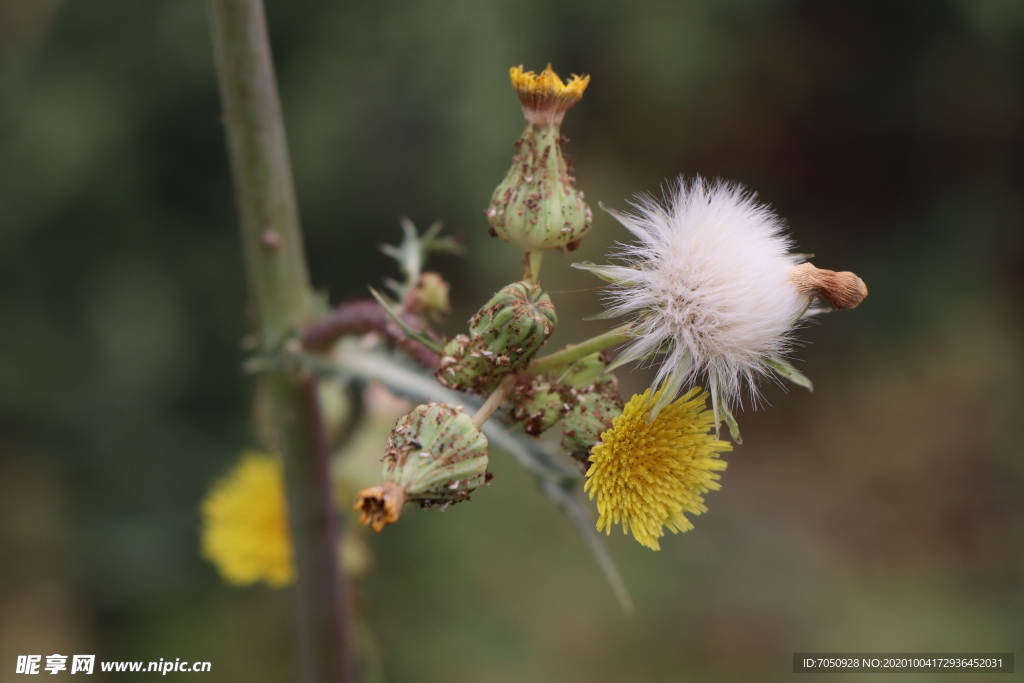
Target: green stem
571,354
493,401
531,267
282,302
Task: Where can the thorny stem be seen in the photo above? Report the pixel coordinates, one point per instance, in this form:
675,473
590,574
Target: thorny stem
283,302
574,353
494,401
531,266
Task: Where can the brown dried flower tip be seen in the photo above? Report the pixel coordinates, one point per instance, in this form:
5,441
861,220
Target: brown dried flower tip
545,98
843,290
380,505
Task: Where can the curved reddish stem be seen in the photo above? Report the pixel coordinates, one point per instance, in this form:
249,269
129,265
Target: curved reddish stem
360,316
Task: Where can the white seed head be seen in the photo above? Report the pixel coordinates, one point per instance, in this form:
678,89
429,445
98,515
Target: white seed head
705,283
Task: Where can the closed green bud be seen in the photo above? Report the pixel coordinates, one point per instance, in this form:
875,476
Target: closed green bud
466,365
504,336
518,320
587,371
430,296
435,456
587,420
537,206
537,405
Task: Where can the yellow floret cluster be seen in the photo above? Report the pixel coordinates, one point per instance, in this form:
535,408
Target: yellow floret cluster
647,474
245,524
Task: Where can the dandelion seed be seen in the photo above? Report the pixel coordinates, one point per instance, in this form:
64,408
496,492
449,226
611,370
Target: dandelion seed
647,473
712,285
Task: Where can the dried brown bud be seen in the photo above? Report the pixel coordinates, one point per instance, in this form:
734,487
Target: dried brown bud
843,290
380,505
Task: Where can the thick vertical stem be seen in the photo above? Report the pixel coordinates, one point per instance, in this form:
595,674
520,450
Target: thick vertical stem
282,302
259,162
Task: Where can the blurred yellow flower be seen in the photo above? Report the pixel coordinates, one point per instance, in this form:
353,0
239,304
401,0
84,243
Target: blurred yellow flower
647,473
245,523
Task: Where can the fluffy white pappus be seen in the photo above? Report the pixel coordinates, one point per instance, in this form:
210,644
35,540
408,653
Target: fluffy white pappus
706,283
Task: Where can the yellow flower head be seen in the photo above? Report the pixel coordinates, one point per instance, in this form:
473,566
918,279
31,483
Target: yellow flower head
545,98
245,524
647,473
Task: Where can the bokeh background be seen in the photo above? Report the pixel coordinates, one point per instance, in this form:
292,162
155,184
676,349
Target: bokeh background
884,512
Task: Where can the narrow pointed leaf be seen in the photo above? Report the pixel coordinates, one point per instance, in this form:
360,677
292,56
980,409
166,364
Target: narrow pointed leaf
722,406
789,372
624,358
669,390
615,274
396,287
604,315
421,337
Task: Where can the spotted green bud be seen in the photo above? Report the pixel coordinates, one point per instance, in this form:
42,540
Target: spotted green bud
586,371
520,317
467,365
537,206
536,405
435,456
587,420
504,336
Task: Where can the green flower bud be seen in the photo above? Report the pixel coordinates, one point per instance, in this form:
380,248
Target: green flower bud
504,336
435,456
537,405
587,420
537,206
463,366
587,371
430,297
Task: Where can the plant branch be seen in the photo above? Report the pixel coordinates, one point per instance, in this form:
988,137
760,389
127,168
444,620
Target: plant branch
282,302
494,401
571,354
366,315
352,360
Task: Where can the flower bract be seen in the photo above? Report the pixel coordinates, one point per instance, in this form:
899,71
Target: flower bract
245,524
646,474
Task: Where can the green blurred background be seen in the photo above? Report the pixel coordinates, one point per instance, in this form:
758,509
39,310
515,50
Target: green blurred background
885,512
